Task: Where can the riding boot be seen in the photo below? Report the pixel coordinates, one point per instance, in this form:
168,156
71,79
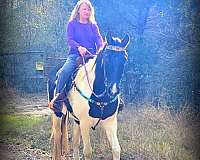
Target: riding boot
56,104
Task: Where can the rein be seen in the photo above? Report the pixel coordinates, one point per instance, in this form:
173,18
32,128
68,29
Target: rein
87,76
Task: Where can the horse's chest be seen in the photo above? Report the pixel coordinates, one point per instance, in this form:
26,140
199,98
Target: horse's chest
102,111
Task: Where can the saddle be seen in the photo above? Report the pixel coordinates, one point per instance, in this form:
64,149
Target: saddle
81,60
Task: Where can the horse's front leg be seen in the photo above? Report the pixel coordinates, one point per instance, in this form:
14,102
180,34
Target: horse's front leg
87,149
110,127
76,141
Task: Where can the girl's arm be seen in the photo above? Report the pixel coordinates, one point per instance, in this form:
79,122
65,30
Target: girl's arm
98,38
70,36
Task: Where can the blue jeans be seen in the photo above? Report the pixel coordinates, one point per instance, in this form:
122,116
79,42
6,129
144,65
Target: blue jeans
63,77
64,73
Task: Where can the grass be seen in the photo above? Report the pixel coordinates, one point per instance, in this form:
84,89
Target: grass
33,131
17,123
155,134
149,133
145,133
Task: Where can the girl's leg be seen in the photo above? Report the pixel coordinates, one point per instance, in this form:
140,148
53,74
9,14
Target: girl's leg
65,72
63,76
51,80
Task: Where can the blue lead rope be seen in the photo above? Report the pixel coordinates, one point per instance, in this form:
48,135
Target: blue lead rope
93,101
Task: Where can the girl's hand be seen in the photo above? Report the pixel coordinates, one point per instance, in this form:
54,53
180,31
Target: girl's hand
82,50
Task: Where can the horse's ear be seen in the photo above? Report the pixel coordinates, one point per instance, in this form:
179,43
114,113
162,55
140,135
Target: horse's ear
125,41
109,38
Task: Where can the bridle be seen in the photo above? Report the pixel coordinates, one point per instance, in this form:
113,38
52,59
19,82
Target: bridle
100,103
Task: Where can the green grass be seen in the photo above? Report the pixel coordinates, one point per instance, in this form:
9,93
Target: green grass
17,123
33,131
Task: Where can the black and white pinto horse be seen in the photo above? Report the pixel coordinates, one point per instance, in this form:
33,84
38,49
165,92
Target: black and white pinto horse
93,99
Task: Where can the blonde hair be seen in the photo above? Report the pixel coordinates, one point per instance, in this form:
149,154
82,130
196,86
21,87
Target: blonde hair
75,14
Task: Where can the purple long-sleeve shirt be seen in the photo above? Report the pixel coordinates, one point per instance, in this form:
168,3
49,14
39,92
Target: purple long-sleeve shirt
85,35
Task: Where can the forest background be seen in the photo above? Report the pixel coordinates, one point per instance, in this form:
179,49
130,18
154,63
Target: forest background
164,52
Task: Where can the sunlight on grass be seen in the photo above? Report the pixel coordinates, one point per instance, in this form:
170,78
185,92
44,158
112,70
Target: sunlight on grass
9,123
157,134
33,131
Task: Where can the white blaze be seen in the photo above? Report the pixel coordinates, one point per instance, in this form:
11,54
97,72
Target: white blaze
114,88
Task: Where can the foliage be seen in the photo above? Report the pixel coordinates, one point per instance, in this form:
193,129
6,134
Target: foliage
34,25
163,52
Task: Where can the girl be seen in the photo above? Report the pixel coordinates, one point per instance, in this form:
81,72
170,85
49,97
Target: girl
83,37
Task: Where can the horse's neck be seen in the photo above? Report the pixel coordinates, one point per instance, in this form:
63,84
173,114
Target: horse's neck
85,80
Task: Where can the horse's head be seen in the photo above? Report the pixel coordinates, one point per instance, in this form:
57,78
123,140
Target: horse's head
114,58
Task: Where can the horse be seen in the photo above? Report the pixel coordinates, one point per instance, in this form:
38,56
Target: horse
93,99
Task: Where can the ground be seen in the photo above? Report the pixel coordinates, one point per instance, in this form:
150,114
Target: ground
22,104
144,132
20,152
32,104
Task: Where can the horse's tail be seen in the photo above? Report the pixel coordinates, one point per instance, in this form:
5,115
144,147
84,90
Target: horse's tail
64,133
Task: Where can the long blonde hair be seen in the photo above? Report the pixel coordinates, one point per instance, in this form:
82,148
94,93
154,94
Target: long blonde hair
75,14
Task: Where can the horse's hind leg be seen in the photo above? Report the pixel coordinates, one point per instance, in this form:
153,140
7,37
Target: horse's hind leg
111,132
56,129
76,141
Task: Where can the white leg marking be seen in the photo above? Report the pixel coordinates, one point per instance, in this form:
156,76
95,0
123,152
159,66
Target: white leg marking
114,88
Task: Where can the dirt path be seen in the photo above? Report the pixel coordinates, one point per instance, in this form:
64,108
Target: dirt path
20,152
15,103
33,110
